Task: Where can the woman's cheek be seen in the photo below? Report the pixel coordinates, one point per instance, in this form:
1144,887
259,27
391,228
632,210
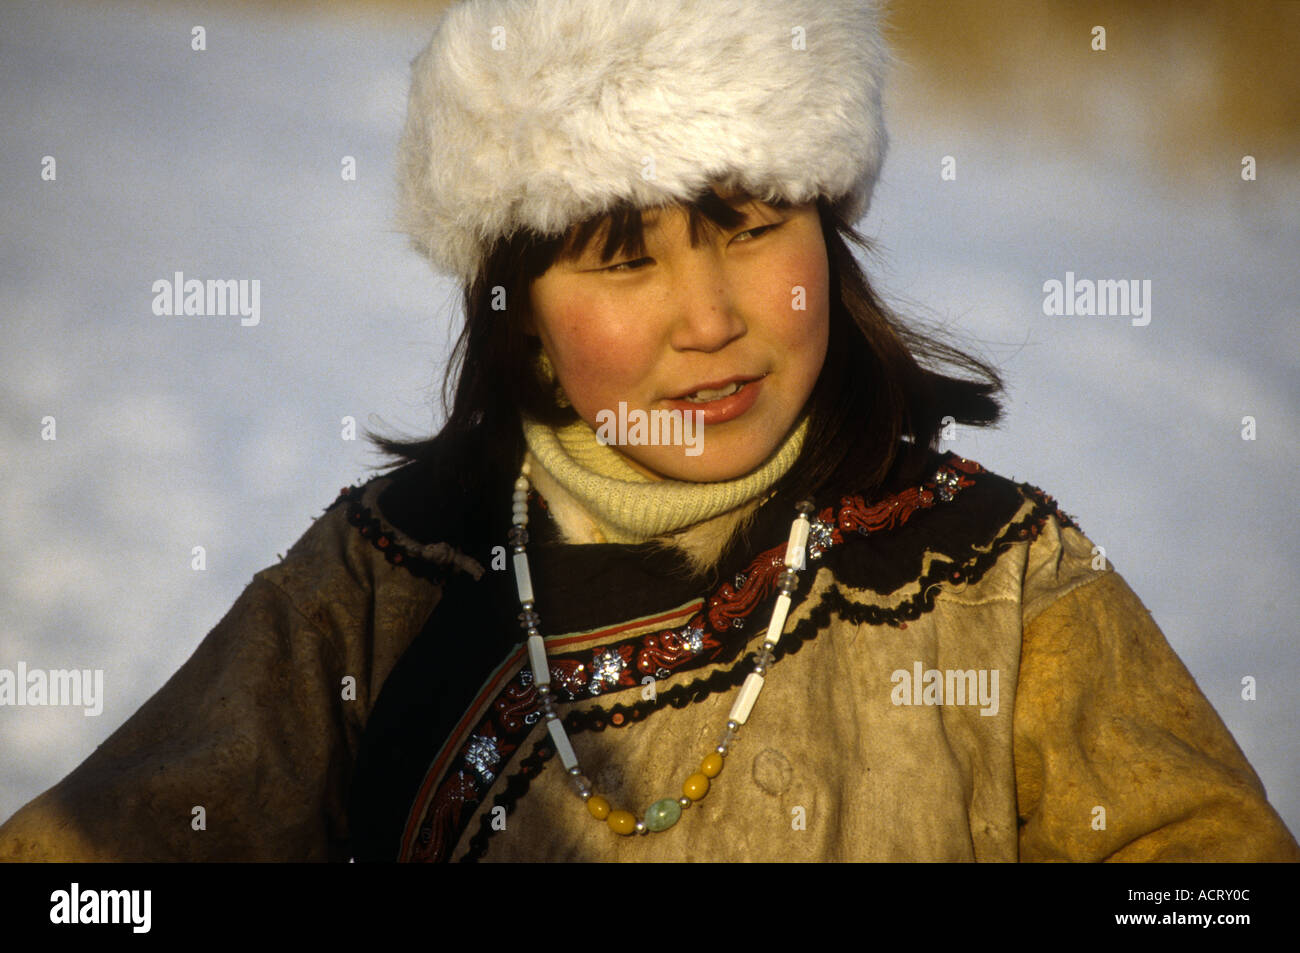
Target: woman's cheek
596,360
800,297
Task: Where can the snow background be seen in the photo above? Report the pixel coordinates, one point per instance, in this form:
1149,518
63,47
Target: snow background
176,432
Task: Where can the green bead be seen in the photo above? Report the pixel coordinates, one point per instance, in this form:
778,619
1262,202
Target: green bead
663,814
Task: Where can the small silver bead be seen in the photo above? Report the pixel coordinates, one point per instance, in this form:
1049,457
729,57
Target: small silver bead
519,549
526,605
585,795
575,770
721,749
551,716
641,828
760,670
733,725
684,801
543,689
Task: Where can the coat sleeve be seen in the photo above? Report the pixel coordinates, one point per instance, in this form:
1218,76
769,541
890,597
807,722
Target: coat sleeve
239,756
1118,754
258,728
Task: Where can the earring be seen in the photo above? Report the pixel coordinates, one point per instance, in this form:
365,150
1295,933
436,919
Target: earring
547,371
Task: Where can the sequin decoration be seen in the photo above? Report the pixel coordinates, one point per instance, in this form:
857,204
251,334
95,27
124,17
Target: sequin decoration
569,677
693,639
946,482
481,754
607,669
819,538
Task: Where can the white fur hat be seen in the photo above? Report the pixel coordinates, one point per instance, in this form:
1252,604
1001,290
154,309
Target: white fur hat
539,114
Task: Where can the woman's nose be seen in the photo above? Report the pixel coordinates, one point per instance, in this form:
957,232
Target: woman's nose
706,317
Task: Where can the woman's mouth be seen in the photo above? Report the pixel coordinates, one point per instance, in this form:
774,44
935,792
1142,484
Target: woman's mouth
706,395
720,403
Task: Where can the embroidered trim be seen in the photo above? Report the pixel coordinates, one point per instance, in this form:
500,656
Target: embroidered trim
833,602
425,561
1046,500
516,787
706,638
703,639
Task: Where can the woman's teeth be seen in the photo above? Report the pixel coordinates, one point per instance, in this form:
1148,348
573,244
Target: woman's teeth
704,396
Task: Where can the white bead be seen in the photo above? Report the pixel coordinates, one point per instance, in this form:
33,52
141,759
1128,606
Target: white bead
537,658
520,496
794,550
745,701
523,579
779,613
521,485
562,746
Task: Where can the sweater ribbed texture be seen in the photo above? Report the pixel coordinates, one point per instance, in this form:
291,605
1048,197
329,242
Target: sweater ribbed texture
627,505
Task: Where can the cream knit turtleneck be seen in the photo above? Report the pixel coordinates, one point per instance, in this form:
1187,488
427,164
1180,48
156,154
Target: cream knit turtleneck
595,496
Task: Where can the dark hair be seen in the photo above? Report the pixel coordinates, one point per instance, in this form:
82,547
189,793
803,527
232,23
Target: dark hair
874,414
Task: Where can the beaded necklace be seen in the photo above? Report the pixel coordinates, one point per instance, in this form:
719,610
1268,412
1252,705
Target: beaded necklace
664,813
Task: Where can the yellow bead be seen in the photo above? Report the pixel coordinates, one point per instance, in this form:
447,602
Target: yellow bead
598,806
696,786
711,766
621,822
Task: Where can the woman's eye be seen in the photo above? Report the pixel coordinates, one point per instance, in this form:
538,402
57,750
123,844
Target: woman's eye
755,232
636,264
628,265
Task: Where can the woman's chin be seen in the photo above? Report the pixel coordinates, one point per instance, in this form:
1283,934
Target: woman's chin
712,465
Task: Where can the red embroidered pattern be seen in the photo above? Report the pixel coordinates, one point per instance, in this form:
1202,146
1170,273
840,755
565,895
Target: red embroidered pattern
614,666
830,528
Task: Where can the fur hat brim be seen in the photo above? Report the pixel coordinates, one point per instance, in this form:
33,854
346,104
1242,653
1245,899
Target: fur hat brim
537,114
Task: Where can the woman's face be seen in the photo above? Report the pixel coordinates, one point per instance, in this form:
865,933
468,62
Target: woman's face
735,328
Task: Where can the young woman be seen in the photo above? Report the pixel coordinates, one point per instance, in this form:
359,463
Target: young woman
682,577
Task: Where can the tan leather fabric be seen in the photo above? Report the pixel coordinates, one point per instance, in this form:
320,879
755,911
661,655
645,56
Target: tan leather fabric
1118,754
1096,711
253,728
1092,703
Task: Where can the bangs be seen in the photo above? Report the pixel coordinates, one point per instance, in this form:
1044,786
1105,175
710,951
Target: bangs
621,231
